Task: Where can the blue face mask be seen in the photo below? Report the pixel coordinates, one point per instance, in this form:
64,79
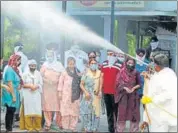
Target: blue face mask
121,59
94,67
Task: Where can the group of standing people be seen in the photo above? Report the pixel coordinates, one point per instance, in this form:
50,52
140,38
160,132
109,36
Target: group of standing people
120,87
54,90
64,93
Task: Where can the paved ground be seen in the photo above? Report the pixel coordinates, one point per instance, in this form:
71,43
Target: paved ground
103,124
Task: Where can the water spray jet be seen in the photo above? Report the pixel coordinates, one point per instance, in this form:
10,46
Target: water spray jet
42,14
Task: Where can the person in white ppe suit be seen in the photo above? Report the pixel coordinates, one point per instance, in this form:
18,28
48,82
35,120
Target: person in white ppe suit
161,97
24,60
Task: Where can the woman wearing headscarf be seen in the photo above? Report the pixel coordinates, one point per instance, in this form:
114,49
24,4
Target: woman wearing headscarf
3,86
69,93
127,83
91,85
14,81
30,115
51,71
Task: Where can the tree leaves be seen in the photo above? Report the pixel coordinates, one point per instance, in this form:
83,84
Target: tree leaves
131,44
15,30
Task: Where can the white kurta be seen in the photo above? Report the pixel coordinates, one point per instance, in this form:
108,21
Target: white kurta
32,99
163,91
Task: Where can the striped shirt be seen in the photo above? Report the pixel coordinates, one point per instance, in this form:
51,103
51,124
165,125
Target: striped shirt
109,76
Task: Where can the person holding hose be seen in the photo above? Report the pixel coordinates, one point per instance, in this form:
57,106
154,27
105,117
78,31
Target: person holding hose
161,97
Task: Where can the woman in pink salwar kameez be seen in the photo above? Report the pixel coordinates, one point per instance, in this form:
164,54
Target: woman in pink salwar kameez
69,93
51,71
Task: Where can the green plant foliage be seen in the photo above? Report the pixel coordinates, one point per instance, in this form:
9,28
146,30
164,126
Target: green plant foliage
15,31
146,41
132,43
10,37
116,33
131,39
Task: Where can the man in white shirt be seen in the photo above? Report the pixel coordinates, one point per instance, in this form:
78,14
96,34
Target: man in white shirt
162,91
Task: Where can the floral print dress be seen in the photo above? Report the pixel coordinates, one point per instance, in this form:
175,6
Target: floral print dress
89,111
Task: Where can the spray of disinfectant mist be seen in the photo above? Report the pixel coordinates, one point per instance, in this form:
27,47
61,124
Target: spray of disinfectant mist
42,16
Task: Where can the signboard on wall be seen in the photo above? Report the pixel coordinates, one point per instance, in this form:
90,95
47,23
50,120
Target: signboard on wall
106,4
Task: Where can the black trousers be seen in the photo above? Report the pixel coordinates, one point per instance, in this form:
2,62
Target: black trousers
16,115
9,117
43,120
112,110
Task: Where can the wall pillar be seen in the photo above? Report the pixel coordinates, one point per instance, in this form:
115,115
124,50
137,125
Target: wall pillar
137,35
122,39
107,27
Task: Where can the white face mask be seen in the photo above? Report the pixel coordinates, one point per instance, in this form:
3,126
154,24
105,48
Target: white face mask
111,60
142,59
154,45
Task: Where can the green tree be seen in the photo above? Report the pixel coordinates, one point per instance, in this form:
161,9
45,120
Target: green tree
146,41
116,34
131,39
132,43
15,30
